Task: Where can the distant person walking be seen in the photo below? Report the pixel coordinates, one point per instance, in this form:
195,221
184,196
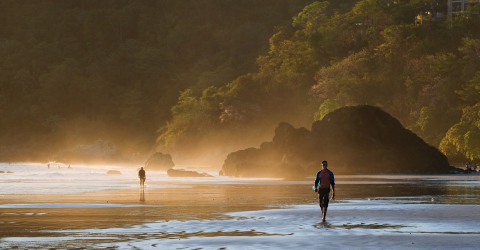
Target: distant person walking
324,180
142,176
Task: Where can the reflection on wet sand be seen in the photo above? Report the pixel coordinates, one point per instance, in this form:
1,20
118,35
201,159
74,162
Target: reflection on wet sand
123,214
142,194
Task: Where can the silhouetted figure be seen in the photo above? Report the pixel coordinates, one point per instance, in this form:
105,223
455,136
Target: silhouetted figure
469,167
324,180
69,167
142,176
48,165
59,166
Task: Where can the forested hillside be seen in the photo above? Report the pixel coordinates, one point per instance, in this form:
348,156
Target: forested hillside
200,79
74,71
426,76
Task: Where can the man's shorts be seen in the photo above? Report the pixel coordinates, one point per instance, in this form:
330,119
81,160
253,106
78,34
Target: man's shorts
323,196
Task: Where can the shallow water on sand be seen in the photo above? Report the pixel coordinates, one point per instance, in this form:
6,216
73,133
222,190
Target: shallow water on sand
89,209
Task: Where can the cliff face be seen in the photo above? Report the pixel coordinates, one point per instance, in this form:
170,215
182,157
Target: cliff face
354,140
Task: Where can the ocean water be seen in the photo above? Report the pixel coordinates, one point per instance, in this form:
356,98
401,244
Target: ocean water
38,179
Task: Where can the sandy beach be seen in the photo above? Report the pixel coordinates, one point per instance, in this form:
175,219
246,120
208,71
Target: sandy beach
230,213
234,124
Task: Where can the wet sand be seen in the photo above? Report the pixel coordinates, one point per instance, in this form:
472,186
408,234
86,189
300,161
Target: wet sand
201,201
253,214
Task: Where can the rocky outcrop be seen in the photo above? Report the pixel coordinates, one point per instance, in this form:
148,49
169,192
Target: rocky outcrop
113,172
184,173
354,140
159,162
98,153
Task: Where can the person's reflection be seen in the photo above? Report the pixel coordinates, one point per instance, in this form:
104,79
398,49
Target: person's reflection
323,224
142,194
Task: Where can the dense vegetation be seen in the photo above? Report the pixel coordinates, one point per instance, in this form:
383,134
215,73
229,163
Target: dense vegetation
426,76
210,77
75,71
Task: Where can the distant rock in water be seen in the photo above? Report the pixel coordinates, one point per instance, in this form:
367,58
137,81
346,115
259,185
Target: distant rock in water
354,140
159,162
184,173
113,172
100,152
9,172
2,172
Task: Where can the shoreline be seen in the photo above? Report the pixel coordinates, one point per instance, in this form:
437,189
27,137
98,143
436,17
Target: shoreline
198,206
371,224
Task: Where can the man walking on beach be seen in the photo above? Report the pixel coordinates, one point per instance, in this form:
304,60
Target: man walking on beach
142,176
323,181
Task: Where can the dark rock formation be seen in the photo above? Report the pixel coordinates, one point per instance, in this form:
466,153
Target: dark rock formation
159,162
2,172
354,140
9,172
184,173
113,172
98,153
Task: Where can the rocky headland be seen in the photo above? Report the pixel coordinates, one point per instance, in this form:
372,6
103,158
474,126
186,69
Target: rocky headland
354,140
159,162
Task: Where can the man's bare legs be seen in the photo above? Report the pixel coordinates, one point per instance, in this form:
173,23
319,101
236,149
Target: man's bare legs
324,213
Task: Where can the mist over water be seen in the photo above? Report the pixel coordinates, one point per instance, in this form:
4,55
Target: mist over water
38,179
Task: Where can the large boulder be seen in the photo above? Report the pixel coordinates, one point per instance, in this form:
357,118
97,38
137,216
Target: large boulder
185,173
101,152
354,140
159,162
113,172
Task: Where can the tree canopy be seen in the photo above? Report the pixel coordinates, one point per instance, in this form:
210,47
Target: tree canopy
374,54
204,78
75,71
